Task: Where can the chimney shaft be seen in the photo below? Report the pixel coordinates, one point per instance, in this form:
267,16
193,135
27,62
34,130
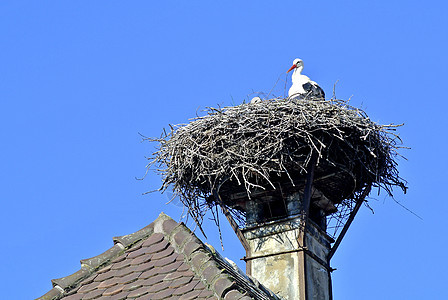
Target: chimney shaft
289,255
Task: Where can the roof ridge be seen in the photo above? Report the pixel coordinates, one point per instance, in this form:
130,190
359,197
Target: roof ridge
218,275
201,261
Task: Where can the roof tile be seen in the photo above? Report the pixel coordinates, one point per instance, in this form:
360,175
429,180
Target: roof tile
74,297
148,282
186,288
181,237
105,276
120,265
153,239
174,275
165,294
103,258
135,284
88,280
134,247
170,268
72,280
93,294
233,295
198,259
137,252
148,296
113,290
129,278
164,253
190,295
185,268
145,267
138,292
191,247
180,282
168,226
108,283
141,259
207,294
211,272
150,273
152,278
123,272
130,239
119,258
164,261
119,296
54,293
104,269
154,248
88,287
159,286
222,285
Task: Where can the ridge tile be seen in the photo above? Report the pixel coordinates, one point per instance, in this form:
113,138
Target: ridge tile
100,260
130,239
72,280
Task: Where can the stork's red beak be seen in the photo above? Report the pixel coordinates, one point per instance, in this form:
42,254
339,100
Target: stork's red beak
292,68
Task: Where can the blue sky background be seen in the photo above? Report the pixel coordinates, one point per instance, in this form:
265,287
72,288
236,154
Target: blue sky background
79,80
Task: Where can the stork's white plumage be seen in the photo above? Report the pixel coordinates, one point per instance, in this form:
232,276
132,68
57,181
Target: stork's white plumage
303,87
256,100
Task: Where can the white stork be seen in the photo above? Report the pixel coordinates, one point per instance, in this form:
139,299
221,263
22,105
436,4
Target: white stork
303,87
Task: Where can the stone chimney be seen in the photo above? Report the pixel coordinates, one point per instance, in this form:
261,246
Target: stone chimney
287,247
289,256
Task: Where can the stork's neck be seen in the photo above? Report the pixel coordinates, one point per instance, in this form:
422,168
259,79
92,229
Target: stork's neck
297,74
298,70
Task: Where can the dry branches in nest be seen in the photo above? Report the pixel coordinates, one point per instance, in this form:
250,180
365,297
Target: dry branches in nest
267,146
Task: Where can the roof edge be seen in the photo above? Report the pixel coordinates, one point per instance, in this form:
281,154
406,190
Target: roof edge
53,294
88,266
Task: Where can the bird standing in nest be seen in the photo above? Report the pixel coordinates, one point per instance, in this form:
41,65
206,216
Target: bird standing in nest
302,86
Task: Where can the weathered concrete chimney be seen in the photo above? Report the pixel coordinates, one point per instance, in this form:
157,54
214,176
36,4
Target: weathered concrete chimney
288,253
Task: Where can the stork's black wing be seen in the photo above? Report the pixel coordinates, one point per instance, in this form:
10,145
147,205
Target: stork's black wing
314,91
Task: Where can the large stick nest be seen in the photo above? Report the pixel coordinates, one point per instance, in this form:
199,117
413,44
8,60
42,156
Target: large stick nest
268,145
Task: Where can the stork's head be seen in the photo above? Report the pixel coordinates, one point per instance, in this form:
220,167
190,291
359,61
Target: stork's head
296,64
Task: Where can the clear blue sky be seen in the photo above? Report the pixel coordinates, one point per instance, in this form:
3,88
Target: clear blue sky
79,80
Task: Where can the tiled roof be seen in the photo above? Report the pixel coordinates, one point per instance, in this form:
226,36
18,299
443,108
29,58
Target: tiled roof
164,260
